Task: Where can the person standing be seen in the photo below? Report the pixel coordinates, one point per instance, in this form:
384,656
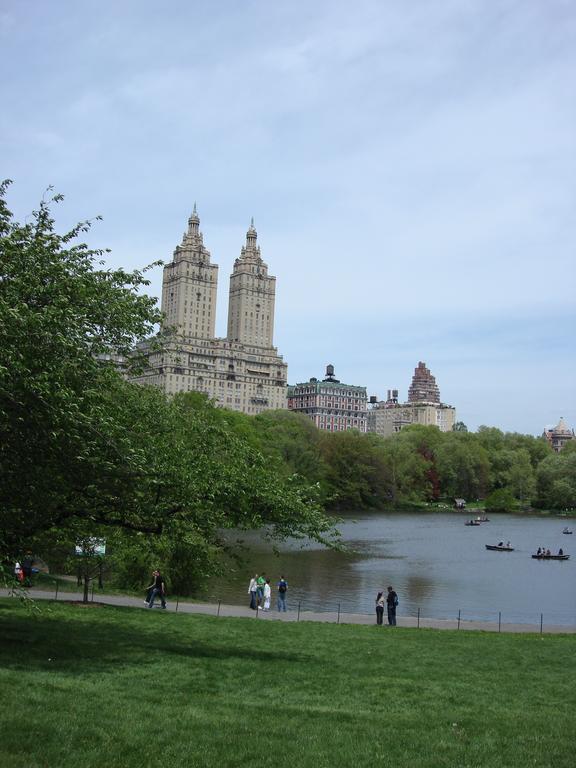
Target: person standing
260,581
267,594
380,600
282,589
27,564
158,590
252,591
391,605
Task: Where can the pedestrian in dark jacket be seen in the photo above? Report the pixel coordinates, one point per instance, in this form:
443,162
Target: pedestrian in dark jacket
158,590
391,604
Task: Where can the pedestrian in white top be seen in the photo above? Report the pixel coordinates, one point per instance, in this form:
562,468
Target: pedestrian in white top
267,593
252,591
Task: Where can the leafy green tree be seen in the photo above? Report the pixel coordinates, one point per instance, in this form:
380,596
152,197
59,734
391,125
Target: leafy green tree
500,500
425,441
82,446
459,426
357,474
294,441
521,476
463,466
556,480
60,312
407,470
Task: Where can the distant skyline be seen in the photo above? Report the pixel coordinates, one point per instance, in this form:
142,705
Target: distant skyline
411,170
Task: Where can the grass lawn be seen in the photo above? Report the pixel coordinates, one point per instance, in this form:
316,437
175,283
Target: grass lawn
100,686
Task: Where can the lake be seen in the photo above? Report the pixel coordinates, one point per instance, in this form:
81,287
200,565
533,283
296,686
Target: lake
434,562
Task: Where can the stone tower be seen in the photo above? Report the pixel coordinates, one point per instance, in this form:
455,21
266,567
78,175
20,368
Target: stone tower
252,293
189,286
423,388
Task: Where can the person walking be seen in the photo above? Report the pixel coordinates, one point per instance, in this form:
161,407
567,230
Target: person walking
158,590
149,589
282,589
380,600
267,594
252,591
391,605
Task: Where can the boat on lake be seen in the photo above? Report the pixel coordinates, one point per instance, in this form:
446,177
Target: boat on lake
499,548
550,557
472,522
567,531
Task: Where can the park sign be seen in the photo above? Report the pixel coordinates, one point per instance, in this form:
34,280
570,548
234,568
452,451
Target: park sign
90,547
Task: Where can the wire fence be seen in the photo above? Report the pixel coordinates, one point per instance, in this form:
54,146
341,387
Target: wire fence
340,613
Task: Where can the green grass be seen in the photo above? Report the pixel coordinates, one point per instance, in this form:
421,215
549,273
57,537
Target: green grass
102,686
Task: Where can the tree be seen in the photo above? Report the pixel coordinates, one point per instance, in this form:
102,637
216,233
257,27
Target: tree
59,313
521,479
81,445
556,480
357,475
459,426
463,466
501,500
294,441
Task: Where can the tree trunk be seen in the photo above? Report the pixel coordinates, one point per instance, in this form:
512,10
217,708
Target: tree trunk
86,583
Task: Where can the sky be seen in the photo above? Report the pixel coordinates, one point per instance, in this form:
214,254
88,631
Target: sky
410,167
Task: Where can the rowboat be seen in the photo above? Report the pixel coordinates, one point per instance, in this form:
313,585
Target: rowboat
498,548
567,532
551,557
472,522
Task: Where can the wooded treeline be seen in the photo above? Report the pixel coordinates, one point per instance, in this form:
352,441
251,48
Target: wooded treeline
505,471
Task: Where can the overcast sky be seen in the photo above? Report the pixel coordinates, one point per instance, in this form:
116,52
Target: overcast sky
410,166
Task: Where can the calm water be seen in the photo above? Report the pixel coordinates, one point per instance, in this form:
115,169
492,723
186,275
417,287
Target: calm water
434,562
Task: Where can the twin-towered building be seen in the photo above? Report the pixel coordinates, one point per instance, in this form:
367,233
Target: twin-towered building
242,372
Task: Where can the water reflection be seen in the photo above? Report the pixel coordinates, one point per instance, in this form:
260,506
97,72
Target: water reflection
433,561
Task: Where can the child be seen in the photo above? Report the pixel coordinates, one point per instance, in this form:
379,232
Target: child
267,593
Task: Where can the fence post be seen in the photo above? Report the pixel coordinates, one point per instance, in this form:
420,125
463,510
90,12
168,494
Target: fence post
458,618
257,609
338,622
418,626
177,603
218,614
541,622
298,618
56,595
499,620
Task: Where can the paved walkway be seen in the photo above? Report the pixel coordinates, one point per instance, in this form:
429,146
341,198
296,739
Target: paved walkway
221,610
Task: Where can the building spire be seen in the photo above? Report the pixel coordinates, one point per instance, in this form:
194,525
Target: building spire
251,235
194,222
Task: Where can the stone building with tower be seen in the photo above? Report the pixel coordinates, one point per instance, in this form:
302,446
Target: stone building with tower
559,435
387,417
242,372
330,404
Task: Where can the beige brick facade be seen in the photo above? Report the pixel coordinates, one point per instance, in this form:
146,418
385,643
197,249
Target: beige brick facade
388,417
